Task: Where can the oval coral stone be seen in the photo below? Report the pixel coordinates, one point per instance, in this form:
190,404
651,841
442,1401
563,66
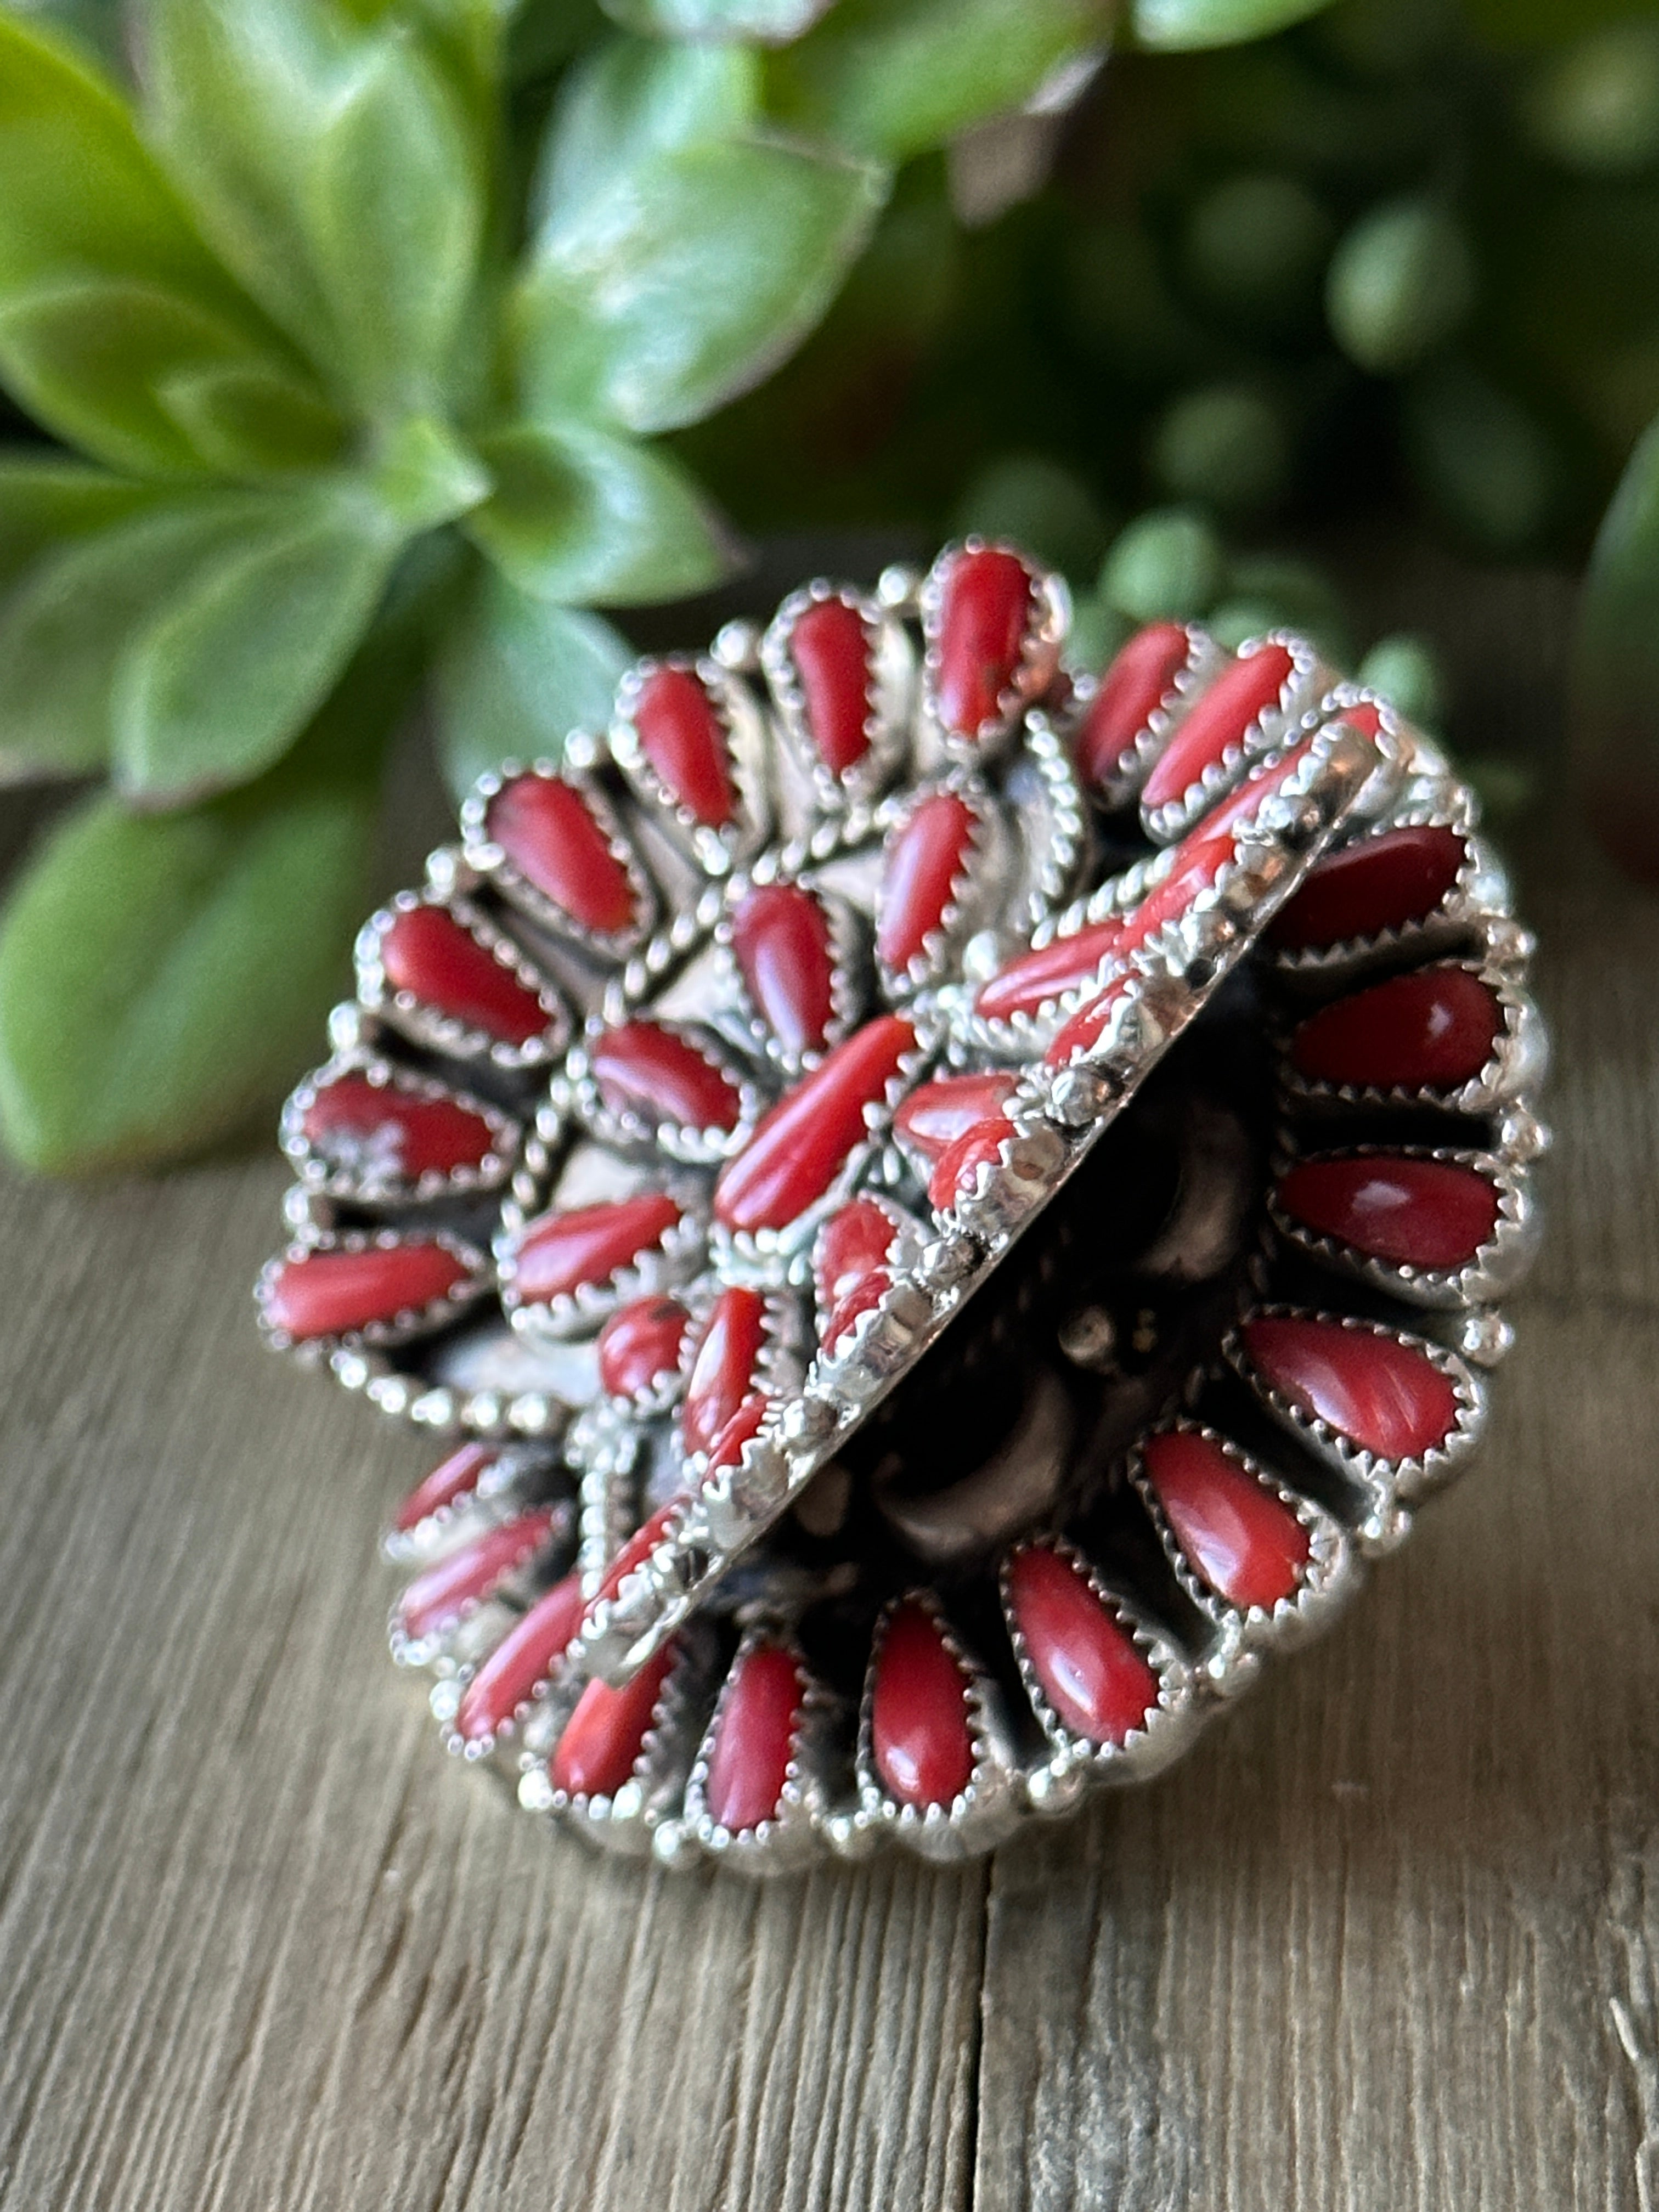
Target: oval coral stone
683,737
526,1655
1239,1537
937,1113
1135,687
452,1478
800,1147
1411,1213
427,953
374,1126
441,1593
323,1293
604,1735
640,1345
754,1738
780,939
1432,1030
985,610
921,1728
549,833
831,654
1385,1396
1217,721
724,1366
1381,882
1091,1672
658,1072
588,1244
927,858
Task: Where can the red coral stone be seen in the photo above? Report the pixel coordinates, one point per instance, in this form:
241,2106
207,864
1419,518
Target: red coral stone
984,613
526,1655
452,1478
1387,1397
926,858
1083,1032
728,1448
1034,978
561,1251
754,1739
1218,721
866,1292
781,938
852,1244
551,835
1432,1030
352,1122
323,1293
640,1345
936,1114
1091,1672
1412,1213
831,654
658,1072
683,737
1242,1539
724,1366
440,1595
955,1170
605,1735
1132,690
800,1147
920,1724
1382,882
639,1546
426,952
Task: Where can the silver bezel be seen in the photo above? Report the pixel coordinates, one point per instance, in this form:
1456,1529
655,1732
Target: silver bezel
372,1184
788,1838
1292,716
626,1130
493,864
716,851
664,1265
1039,658
446,1033
972,889
1204,660
892,683
398,1329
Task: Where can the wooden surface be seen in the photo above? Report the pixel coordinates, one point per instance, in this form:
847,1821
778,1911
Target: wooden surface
1386,1939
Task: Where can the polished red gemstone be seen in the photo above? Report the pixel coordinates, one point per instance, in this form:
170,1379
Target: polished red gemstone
1083,1031
867,1293
936,1114
1091,1672
728,1448
685,739
921,1727
853,1243
605,1735
831,653
526,1655
452,1478
1365,716
661,1074
355,1123
1239,1536
1412,1213
956,1170
1432,1030
1387,1397
1258,786
926,861
1135,687
985,612
754,1738
323,1293
1218,721
441,1594
639,1547
426,952
640,1345
1382,882
553,838
588,1244
724,1366
800,1146
1033,979
781,938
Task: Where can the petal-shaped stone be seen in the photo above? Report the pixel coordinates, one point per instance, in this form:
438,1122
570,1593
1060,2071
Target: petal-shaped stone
1431,1030
985,612
921,1725
377,1127
1033,979
1387,1397
800,1147
925,868
759,1718
1435,1214
1239,1536
956,1171
1385,882
682,735
830,649
724,1366
935,1113
553,838
326,1293
864,1295
1093,1674
426,952
588,1244
854,1242
458,1476
640,1345
1140,681
605,1735
728,1448
639,1546
525,1656
661,1074
1220,719
780,939
1085,1028
441,1593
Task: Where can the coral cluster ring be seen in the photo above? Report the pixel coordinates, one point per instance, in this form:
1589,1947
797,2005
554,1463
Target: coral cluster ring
948,1203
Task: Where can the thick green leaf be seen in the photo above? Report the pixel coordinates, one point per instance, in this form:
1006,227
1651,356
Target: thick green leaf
580,516
330,160
424,475
46,500
1183,24
1615,670
516,675
891,78
685,279
772,22
629,100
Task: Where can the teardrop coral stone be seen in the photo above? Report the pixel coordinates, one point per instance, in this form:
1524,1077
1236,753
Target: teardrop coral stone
323,1293
551,835
684,738
640,1345
1381,882
426,952
526,1655
1035,979
956,1171
754,1738
658,1072
1432,1030
852,1244
1238,1537
800,1146
937,1113
1138,682
831,653
724,1366
458,1476
1411,1213
1220,719
587,1244
780,939
921,1728
927,860
603,1737
984,613
441,1594
355,1123
1091,1672
1385,1396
